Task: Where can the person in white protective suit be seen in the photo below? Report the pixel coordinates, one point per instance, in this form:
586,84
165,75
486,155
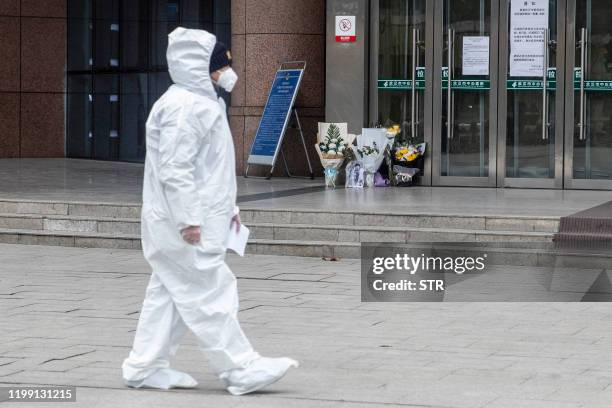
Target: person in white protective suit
189,198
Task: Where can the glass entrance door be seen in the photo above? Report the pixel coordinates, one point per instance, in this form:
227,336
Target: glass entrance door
465,93
400,90
506,93
532,87
589,104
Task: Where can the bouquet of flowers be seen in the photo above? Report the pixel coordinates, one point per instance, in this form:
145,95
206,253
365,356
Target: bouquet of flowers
404,151
404,157
394,130
370,151
409,153
405,161
333,143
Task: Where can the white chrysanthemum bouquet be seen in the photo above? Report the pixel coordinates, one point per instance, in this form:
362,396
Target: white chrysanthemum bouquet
333,144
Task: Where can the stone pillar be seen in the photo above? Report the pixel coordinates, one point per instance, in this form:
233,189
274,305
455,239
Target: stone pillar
264,34
9,78
32,78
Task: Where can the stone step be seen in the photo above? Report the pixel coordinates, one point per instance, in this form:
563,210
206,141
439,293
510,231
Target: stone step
114,210
530,254
407,219
341,233
69,238
71,223
131,214
344,233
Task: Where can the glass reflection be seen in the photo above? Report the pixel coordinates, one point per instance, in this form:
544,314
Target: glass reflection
528,153
397,54
117,68
593,146
465,146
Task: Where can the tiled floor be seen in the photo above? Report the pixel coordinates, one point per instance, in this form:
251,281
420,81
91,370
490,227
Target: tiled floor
68,318
83,180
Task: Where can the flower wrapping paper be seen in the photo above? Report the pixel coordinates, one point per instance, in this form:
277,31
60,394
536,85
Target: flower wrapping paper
368,137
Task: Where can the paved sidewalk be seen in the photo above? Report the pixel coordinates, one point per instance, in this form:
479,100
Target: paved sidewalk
68,317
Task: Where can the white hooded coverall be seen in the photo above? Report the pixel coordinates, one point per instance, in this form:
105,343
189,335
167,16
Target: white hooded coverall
189,180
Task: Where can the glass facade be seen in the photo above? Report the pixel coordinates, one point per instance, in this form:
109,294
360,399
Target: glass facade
117,68
506,93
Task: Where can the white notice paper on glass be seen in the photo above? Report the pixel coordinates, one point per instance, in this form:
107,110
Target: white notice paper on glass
528,20
237,241
475,55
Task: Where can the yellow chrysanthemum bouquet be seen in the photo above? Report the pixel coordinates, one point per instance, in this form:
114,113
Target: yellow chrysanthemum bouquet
404,152
405,159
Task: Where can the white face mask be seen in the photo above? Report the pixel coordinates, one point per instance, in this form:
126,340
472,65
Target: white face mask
227,80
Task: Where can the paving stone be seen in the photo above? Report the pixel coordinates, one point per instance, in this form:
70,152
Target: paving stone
42,208
305,234
518,224
96,210
56,240
118,243
85,305
261,232
51,224
322,218
12,222
9,238
119,227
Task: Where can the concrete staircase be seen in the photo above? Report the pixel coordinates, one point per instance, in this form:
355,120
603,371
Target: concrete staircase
279,232
304,233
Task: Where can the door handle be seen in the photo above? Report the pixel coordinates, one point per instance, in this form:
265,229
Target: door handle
449,104
415,42
545,124
583,69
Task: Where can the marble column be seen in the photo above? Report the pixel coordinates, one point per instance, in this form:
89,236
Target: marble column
264,34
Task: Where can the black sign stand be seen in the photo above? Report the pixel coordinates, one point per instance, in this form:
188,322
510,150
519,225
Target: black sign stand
292,114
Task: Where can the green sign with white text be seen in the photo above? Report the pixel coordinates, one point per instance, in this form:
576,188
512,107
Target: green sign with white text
591,84
403,84
522,84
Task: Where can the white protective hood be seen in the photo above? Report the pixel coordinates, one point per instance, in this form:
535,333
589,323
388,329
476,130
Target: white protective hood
189,53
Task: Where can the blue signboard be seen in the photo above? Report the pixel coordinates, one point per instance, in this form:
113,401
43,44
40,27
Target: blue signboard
275,117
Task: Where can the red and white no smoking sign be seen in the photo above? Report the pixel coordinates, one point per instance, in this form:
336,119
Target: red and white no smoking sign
345,29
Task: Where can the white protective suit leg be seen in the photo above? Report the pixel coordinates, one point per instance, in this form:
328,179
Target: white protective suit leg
259,374
206,296
203,298
160,329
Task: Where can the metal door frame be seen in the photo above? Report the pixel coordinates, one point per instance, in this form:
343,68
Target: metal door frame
426,179
570,181
437,179
504,29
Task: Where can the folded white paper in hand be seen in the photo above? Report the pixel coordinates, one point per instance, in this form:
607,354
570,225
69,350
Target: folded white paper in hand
237,241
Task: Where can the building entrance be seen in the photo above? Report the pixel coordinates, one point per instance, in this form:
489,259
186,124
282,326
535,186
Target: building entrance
507,93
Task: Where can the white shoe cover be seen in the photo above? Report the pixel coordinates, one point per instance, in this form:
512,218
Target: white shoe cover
165,378
258,374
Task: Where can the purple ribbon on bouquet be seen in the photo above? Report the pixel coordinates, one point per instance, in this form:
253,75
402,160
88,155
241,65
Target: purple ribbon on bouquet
380,181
